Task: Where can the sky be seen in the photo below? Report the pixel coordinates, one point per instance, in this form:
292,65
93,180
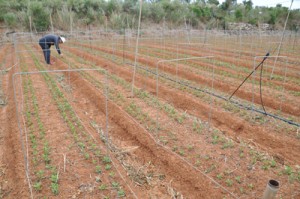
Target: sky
272,3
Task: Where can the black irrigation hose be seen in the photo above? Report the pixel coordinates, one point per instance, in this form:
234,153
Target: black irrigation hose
249,75
221,97
261,100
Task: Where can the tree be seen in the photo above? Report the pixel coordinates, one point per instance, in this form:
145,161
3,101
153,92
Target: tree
40,16
113,6
238,15
226,5
157,12
213,2
129,5
10,19
248,5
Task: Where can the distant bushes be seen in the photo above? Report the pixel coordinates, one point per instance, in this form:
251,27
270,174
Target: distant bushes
124,13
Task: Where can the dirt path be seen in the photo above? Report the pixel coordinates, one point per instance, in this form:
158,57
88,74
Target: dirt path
13,183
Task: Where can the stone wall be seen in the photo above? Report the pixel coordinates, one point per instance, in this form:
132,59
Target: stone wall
247,26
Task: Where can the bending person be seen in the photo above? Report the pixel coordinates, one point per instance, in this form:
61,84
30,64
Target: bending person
47,41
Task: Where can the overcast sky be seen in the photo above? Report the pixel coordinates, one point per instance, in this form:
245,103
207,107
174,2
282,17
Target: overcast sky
272,3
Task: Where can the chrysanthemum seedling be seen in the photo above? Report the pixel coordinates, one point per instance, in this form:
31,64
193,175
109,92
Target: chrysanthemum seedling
107,166
86,156
54,188
106,159
228,144
242,190
121,193
220,176
241,152
40,174
190,147
115,185
37,186
98,169
229,182
81,145
102,187
112,174
54,178
197,163
273,163
215,138
175,148
238,179
198,126
211,168
97,153
98,179
251,186
163,140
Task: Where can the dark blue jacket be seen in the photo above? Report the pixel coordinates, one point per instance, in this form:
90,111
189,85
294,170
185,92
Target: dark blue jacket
51,40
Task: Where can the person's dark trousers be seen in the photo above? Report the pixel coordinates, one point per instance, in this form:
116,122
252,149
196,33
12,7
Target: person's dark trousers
46,50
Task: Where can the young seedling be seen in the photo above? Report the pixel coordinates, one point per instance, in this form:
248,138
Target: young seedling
190,147
107,167
106,159
86,156
220,176
112,174
37,186
238,179
115,185
102,187
250,186
273,163
40,174
121,193
229,182
98,169
181,152
54,188
228,144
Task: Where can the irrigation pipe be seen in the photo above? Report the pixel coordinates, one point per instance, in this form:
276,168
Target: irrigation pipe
223,98
260,64
260,79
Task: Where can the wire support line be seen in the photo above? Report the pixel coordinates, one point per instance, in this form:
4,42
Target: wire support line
27,173
56,71
223,98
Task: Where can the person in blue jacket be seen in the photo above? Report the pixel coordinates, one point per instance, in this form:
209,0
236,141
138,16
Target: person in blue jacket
47,41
